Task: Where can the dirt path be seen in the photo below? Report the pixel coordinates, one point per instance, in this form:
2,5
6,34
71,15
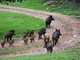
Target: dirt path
70,27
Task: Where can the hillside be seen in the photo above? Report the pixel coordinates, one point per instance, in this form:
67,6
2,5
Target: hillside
70,29
68,46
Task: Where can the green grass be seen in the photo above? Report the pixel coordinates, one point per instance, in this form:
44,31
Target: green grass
18,22
30,4
67,8
14,49
68,54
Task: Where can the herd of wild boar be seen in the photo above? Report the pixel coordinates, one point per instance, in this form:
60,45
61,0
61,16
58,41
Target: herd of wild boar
48,44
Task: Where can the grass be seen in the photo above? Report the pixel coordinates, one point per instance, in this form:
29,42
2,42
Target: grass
15,49
67,54
67,8
18,22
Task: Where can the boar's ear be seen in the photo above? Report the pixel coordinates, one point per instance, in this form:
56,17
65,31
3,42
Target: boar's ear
13,30
45,28
56,29
53,18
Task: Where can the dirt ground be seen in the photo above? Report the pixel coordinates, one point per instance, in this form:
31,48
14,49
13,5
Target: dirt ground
69,26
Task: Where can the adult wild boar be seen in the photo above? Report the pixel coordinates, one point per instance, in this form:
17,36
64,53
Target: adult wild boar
55,36
49,20
41,32
49,46
9,35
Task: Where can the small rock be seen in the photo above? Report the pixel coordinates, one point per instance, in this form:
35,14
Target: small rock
75,36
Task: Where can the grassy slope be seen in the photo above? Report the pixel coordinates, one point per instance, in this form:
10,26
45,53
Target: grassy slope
18,22
66,8
68,54
37,4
